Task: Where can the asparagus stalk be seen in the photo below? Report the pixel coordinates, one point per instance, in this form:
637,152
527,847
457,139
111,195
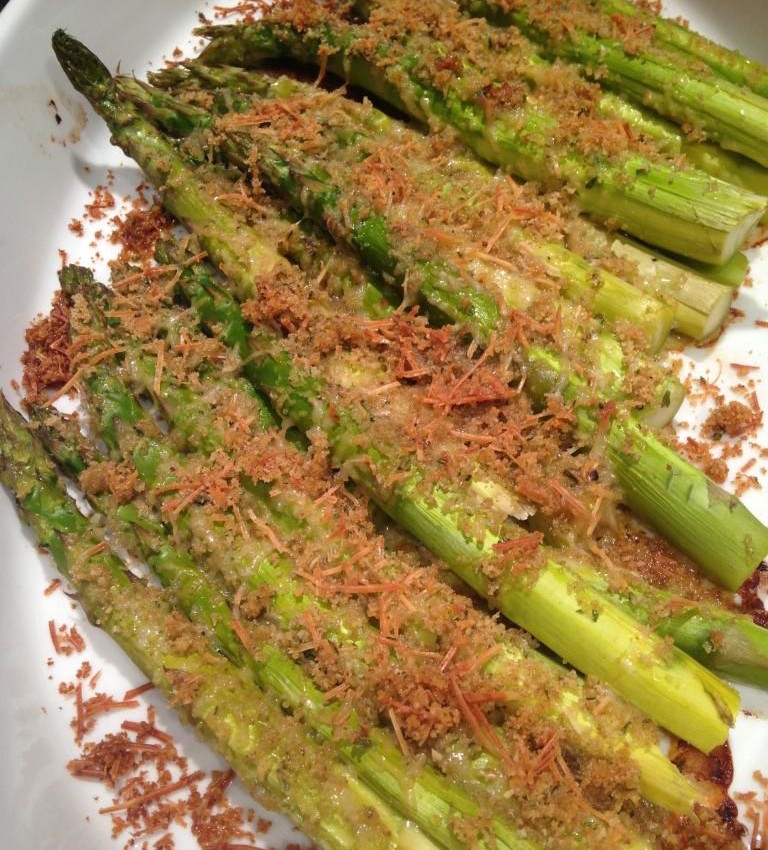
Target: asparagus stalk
241,568
298,398
674,143
728,544
401,256
709,525
651,474
684,212
701,305
729,64
295,397
733,273
701,308
230,87
190,414
687,92
732,645
419,794
443,288
319,185
272,753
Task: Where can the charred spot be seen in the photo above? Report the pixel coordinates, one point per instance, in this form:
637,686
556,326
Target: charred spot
728,811
750,598
720,762
451,63
56,116
505,94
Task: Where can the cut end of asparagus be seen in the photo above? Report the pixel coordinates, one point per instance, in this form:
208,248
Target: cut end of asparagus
701,306
693,215
677,692
670,395
618,299
738,237
672,791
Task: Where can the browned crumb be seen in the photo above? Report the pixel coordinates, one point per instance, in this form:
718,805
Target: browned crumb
139,231
732,419
46,361
103,200
152,784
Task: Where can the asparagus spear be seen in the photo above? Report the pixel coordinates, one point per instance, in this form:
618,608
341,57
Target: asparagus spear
700,304
672,789
190,414
691,511
727,643
320,186
730,64
667,136
295,397
272,753
319,183
299,398
426,523
228,84
453,292
688,290
730,644
725,538
704,155
687,92
682,211
419,794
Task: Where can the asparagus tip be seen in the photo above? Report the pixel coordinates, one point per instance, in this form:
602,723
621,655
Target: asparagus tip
87,73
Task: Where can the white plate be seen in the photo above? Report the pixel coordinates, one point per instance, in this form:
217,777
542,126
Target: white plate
43,185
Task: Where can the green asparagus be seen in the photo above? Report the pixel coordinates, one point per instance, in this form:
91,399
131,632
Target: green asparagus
191,414
615,51
319,180
299,398
290,397
684,212
273,754
375,779
699,517
730,64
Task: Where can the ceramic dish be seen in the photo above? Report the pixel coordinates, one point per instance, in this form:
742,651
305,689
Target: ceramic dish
53,153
